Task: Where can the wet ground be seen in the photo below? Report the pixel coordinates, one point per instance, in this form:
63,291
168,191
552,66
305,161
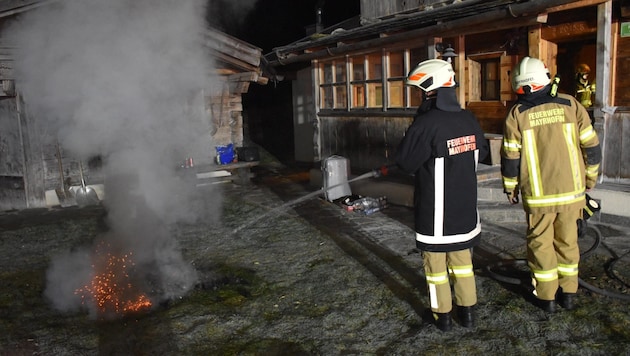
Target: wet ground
308,279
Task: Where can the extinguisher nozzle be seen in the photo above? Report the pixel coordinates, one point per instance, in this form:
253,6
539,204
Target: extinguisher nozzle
383,170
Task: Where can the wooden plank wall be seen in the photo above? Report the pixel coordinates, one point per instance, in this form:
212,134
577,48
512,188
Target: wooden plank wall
622,79
226,115
616,163
371,9
367,142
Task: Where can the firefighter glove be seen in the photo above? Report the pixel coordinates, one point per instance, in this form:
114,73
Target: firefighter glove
512,196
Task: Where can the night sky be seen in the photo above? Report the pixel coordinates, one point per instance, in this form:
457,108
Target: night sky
267,109
272,23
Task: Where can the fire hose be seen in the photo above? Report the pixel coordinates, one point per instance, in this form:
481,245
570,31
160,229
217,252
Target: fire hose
583,256
374,173
385,169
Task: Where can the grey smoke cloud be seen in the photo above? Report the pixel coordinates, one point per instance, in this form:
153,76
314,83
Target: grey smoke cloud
124,79
113,74
232,12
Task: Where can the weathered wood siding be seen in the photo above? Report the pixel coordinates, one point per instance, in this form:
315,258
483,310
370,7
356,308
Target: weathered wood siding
371,9
226,114
616,137
12,195
368,142
622,79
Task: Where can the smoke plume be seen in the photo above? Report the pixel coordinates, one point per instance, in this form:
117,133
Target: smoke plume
232,13
124,80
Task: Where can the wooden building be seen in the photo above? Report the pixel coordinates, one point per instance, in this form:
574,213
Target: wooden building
349,92
32,167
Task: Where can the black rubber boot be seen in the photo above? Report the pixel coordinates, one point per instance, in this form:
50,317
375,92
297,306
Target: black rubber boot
547,305
465,316
443,321
568,300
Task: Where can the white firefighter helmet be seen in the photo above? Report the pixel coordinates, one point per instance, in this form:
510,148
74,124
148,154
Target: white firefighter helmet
432,74
532,73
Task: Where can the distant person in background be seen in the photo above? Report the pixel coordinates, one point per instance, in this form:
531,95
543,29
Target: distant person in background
551,155
583,89
442,148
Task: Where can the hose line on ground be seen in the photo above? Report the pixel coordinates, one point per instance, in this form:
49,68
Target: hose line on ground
583,256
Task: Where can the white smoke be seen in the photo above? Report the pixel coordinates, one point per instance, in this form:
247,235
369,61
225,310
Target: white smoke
232,13
124,80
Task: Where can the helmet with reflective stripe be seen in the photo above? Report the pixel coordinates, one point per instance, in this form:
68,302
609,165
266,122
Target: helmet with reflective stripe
583,68
432,74
532,73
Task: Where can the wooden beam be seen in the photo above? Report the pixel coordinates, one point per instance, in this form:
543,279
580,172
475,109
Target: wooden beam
542,49
575,5
235,62
233,47
244,77
603,58
569,30
460,68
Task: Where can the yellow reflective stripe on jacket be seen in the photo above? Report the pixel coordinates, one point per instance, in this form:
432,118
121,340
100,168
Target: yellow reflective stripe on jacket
462,271
556,199
532,163
437,278
592,170
511,145
546,276
567,270
573,156
509,184
587,134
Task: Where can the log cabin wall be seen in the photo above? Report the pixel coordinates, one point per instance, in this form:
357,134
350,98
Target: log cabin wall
225,112
564,34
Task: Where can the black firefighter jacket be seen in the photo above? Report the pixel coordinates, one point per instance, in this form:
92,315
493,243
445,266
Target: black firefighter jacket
442,148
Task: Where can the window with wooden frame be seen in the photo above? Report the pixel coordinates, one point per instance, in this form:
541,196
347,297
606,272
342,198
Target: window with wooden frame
357,82
416,56
374,80
489,77
333,85
396,79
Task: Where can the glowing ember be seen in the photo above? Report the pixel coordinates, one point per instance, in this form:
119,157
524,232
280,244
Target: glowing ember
111,288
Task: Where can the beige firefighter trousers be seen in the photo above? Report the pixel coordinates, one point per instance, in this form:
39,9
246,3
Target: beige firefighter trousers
460,270
553,253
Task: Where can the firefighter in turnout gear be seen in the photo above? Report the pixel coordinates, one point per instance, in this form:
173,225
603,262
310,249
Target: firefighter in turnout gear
551,155
583,89
441,149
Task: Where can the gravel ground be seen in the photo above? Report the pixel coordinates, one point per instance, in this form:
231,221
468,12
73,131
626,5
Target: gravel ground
275,278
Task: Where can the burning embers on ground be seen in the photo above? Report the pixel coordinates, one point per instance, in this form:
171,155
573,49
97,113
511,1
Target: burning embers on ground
115,290
131,269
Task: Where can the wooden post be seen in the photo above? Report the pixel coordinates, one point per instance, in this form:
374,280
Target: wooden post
460,69
542,49
603,59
